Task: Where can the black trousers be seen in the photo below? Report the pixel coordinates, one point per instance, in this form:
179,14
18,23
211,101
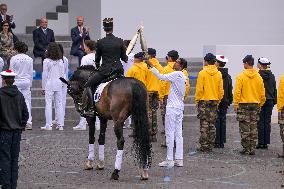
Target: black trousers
9,155
264,123
221,125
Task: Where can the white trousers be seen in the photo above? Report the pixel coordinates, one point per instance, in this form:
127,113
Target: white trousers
24,88
64,95
58,107
173,126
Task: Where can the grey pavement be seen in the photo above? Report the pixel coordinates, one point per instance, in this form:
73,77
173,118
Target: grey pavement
55,159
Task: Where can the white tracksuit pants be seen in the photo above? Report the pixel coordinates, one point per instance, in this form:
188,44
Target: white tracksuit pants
173,126
24,88
58,106
64,95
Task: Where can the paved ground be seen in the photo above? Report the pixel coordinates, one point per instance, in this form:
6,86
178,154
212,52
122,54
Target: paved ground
55,160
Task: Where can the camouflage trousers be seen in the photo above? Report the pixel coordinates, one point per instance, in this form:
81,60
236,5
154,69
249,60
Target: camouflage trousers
281,124
248,116
207,113
152,112
163,104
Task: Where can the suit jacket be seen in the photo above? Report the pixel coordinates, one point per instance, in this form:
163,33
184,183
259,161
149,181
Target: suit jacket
111,49
8,17
77,40
41,41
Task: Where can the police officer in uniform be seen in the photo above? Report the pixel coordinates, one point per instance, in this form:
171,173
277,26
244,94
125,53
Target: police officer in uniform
110,49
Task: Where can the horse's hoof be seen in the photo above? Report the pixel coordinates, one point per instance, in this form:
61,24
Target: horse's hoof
144,175
114,175
89,165
100,165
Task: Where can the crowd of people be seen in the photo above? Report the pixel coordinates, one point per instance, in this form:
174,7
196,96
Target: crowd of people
168,87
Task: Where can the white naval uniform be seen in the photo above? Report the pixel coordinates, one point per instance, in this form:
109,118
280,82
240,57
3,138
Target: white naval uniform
88,59
22,65
1,68
52,71
174,111
64,89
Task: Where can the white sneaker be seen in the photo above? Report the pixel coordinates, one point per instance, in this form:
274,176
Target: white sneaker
29,126
167,163
80,127
46,128
179,162
60,128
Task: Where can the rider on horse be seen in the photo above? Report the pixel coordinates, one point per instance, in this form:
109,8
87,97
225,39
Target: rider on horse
111,49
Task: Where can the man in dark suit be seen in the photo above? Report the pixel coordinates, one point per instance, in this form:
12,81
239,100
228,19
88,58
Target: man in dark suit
4,17
79,34
42,36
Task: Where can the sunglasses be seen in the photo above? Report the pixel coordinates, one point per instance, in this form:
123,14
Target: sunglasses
6,25
4,9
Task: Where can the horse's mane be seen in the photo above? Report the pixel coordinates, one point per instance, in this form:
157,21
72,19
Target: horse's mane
87,67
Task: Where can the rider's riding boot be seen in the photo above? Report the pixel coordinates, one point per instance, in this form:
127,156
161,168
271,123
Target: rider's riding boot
88,103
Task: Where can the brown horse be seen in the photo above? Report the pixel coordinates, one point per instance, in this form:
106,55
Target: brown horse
120,99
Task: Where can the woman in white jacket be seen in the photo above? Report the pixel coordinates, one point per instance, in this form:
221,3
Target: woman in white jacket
53,69
64,86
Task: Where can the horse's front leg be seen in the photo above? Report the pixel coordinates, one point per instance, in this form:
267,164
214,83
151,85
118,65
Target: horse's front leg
91,156
103,126
118,129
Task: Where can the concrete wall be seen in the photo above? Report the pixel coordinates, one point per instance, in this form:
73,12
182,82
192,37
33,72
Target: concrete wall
27,11
91,10
187,25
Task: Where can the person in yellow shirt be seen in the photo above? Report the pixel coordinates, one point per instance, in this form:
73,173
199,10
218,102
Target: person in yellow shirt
249,97
187,81
153,87
209,92
171,58
139,70
280,107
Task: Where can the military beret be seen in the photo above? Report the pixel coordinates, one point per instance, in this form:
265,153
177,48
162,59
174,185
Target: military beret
139,55
264,61
248,58
209,57
173,54
151,51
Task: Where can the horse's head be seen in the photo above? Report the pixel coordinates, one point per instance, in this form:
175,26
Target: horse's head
75,86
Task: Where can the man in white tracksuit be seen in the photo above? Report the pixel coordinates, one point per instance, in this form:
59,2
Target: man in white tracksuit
174,112
88,59
22,65
126,67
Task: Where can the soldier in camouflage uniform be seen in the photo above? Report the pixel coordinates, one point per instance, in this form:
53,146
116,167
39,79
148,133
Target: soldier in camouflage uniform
280,107
207,113
248,116
249,97
209,92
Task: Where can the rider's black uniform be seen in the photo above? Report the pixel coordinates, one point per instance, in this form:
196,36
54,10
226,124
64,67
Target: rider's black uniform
110,49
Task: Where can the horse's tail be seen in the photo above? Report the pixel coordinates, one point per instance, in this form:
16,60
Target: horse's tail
142,144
